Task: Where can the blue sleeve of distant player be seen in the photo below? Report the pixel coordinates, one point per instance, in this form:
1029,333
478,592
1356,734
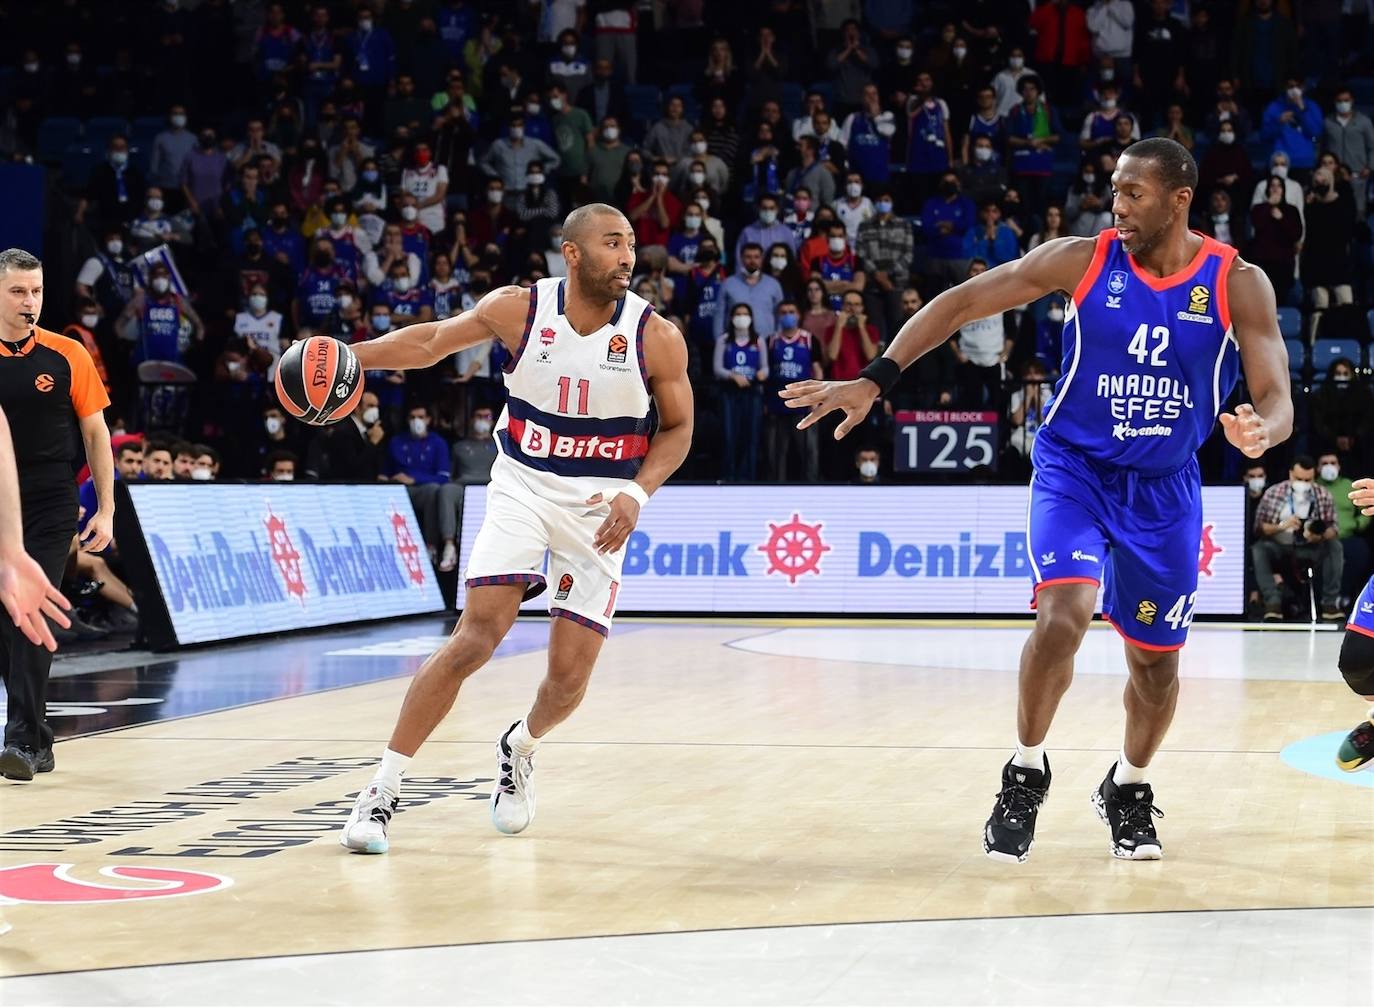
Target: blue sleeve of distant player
85,496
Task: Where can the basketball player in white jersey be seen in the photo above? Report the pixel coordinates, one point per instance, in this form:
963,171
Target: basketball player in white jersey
575,465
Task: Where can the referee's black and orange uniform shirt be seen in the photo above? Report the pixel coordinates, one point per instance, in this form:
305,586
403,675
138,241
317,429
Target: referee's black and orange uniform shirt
47,384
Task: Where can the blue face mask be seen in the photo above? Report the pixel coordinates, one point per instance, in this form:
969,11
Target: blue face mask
370,176
788,320
884,206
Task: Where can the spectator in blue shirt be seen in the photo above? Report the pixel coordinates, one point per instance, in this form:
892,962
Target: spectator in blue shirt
1293,123
992,240
945,219
766,230
372,54
283,242
421,460
753,287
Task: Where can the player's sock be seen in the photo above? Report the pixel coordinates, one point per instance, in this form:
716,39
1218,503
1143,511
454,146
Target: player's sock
1126,772
521,742
389,773
1030,757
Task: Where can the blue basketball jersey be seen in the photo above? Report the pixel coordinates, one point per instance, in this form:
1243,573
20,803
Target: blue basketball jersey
1147,361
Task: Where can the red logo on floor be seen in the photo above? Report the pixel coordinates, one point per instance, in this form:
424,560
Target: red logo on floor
52,883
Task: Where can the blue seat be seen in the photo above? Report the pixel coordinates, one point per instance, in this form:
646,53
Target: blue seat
1325,352
78,160
1290,322
100,129
792,96
645,102
55,135
1362,90
1297,358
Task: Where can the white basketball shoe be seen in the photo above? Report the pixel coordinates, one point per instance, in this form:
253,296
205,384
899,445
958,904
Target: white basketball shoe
512,795
365,831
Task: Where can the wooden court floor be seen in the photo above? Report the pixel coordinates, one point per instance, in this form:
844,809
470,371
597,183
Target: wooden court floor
716,777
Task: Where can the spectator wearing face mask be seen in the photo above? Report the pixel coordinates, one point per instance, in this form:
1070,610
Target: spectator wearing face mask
474,455
260,326
1349,135
885,250
1326,260
1292,189
349,242
316,296
1343,412
206,467
606,161
508,158
984,176
392,257
741,366
1293,124
801,217
108,277
1254,479
1276,230
782,266
698,168
945,219
160,322
1351,522
171,147
428,183
389,386
867,462
281,467
281,241
653,210
420,460
981,350
349,451
1028,406
992,240
568,69
1099,126
1088,205
204,174
409,302
683,245
83,330
538,208
793,355
1049,332
152,226
115,192
1295,525
1227,166
279,434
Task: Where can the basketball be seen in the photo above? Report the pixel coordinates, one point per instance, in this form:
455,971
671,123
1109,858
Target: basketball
319,380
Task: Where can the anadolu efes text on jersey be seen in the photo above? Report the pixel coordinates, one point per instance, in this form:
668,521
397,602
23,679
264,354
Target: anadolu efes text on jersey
578,406
1148,361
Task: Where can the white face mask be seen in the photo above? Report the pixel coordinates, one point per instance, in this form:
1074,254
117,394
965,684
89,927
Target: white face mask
495,196
284,477
537,179
959,52
365,26
691,222
854,190
1016,62
202,474
1108,74
114,246
338,220
1256,484
741,323
904,53
1281,170
155,204
371,415
1329,473
345,300
517,132
556,104
409,213
1109,104
1226,137
273,425
161,284
532,109
418,427
1300,488
836,244
400,284
481,427
767,217
1294,93
702,202
868,469
697,178
1343,107
119,158
778,262
258,302
73,59
90,321
1056,315
699,147
982,153
31,68
178,121
569,51
610,133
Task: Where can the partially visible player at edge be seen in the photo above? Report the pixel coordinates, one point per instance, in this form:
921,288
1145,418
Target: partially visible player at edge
1157,318
575,466
1356,751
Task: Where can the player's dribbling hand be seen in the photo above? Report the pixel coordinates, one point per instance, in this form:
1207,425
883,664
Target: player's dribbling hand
1246,430
1363,495
99,532
28,596
824,397
618,525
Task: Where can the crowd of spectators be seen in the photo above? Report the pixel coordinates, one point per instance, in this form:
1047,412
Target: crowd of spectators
801,177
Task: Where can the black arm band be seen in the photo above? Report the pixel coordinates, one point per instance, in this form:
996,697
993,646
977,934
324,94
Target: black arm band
883,372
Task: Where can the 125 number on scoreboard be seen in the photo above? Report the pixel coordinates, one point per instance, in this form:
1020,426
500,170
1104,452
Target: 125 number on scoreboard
944,440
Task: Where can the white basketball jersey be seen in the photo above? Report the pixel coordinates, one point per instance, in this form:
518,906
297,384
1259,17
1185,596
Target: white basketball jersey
576,420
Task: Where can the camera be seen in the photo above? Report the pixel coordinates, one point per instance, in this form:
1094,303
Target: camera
1315,527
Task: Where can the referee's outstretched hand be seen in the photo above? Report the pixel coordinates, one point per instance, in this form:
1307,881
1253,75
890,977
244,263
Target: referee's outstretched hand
99,531
28,597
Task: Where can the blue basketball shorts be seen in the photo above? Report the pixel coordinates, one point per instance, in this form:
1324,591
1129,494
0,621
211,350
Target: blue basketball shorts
1136,535
1362,613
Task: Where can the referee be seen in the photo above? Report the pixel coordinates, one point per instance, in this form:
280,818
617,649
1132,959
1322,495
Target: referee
49,388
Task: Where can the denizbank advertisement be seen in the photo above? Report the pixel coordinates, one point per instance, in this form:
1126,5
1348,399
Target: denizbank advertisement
859,549
235,560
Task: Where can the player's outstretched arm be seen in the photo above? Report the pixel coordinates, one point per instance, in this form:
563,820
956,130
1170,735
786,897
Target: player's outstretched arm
1055,265
501,314
1269,421
665,357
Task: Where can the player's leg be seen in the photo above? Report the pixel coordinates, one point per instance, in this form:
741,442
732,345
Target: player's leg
1356,750
505,567
1066,544
585,589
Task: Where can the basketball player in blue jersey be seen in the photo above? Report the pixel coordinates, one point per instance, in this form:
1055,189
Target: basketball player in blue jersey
577,459
1356,663
1155,322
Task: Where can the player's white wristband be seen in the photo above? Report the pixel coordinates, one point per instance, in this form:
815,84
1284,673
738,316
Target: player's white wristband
633,489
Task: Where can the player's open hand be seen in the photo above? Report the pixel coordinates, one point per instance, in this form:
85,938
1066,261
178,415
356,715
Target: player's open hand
854,398
99,531
28,596
1246,430
1363,495
618,525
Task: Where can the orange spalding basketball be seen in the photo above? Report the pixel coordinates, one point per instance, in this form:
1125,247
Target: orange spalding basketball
319,380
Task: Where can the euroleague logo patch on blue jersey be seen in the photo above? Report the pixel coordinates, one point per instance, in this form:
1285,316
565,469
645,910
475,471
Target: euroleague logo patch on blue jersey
1199,300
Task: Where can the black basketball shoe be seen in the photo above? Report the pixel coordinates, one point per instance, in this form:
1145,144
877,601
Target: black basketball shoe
1357,748
1128,810
1010,831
